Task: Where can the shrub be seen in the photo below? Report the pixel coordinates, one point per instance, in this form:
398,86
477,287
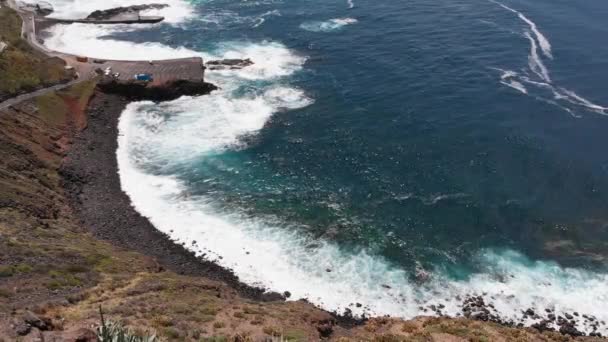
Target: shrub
116,332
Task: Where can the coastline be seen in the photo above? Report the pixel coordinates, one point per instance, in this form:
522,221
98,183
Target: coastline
92,185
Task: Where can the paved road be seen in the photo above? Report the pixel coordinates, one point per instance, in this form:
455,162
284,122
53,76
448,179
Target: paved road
28,32
15,100
162,71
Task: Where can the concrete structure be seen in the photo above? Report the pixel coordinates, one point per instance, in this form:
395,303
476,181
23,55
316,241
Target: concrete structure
2,46
123,19
163,72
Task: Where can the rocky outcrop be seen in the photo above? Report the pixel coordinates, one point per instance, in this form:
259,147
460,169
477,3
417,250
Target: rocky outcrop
229,64
139,91
112,13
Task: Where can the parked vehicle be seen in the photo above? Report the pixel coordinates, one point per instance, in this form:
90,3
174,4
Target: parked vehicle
144,77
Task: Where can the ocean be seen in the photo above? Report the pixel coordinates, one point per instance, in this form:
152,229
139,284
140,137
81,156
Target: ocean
380,157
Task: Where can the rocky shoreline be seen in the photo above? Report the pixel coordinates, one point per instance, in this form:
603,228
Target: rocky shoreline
92,184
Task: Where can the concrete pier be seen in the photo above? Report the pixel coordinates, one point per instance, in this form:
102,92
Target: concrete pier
127,19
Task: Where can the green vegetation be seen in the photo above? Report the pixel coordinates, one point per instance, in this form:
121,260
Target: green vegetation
55,106
116,332
8,271
23,69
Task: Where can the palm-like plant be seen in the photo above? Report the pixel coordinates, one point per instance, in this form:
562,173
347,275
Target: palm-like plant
116,332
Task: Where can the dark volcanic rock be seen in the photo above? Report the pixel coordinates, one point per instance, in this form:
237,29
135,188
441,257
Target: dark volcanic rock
229,64
138,91
569,329
35,321
113,12
543,325
23,329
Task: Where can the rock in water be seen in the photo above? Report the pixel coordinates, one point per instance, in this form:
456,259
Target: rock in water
230,64
114,12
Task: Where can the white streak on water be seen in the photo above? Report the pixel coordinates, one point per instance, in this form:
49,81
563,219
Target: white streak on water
542,40
538,67
327,26
536,64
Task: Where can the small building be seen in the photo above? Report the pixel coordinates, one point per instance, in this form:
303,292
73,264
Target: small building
2,46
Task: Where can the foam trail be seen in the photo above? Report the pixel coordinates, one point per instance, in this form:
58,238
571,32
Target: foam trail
262,19
327,26
536,64
576,99
351,4
544,43
515,85
259,22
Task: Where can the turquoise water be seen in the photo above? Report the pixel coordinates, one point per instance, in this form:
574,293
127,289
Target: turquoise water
413,148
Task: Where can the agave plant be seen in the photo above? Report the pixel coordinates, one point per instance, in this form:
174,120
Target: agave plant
116,332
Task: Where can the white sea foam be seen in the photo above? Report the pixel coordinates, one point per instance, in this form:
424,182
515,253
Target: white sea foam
581,101
327,26
544,43
515,85
535,62
262,19
350,3
507,78
83,39
562,97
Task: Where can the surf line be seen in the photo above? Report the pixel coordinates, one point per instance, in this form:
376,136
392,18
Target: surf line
544,43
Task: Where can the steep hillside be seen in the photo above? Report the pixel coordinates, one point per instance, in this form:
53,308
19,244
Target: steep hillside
22,69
